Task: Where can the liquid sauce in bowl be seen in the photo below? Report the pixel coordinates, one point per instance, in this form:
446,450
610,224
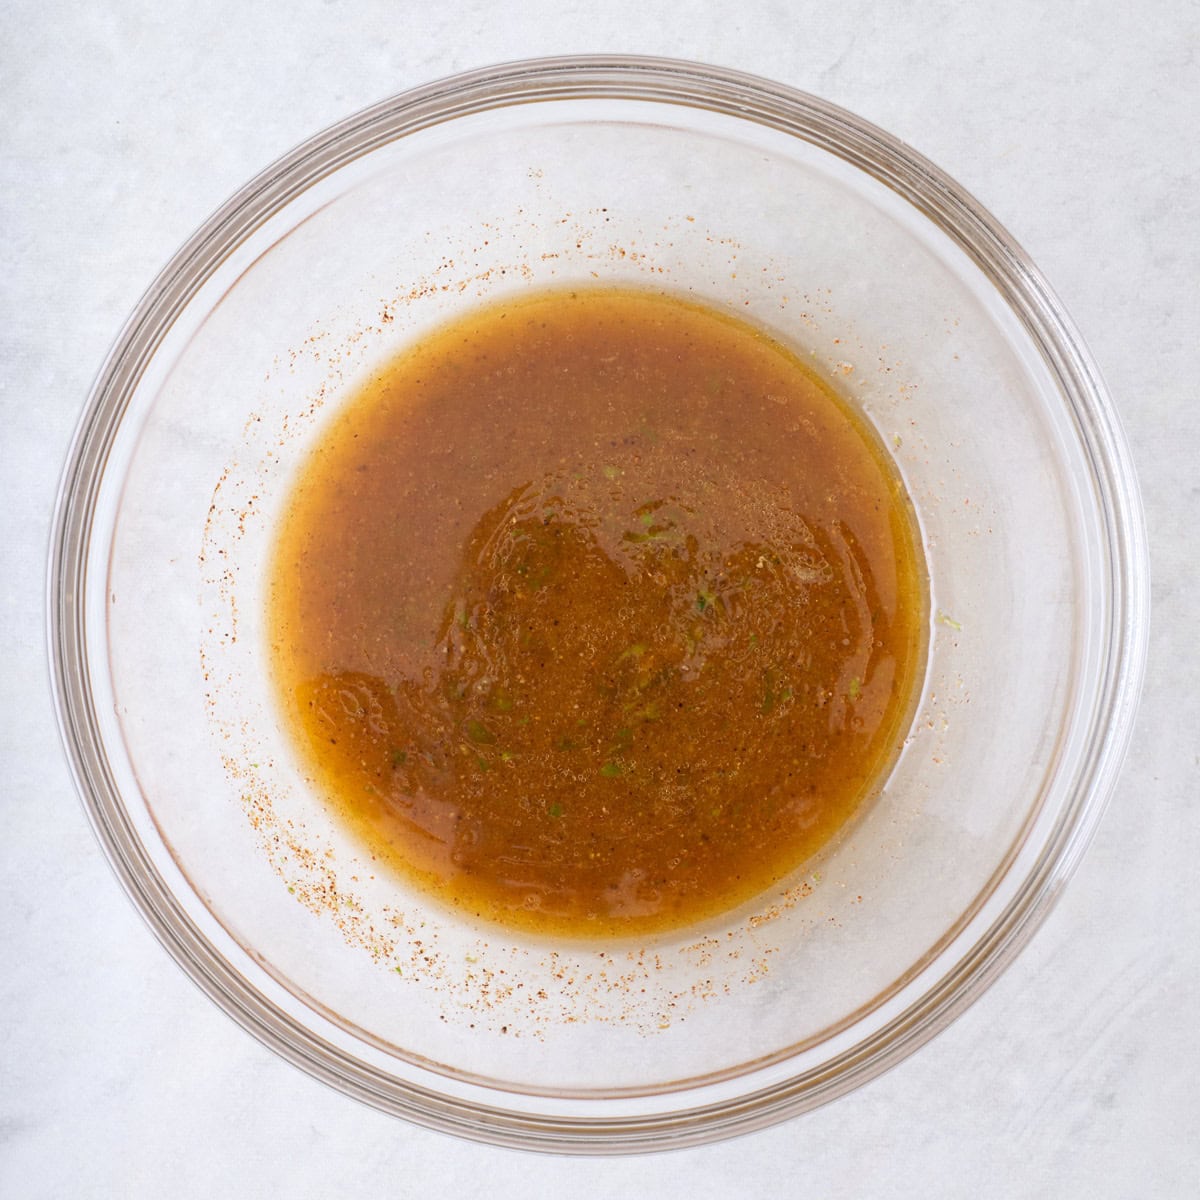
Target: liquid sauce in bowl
597,613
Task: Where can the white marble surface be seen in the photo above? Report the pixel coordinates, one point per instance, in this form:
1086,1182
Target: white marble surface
126,123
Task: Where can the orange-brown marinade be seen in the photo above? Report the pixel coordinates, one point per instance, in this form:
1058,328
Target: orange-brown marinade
597,613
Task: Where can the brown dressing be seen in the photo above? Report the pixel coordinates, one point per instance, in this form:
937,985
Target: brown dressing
597,613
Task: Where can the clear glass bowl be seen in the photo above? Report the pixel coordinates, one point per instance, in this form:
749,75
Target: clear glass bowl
644,172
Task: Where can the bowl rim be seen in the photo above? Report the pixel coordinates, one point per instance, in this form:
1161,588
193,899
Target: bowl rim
617,77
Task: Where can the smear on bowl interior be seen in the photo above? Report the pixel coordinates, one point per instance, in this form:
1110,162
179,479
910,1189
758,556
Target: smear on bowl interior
597,613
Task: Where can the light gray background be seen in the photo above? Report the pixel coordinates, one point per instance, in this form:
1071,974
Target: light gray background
1076,123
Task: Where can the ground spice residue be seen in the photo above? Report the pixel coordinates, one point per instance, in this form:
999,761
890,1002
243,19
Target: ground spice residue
509,985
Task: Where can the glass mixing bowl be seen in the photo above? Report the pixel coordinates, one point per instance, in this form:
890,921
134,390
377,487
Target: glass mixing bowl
748,196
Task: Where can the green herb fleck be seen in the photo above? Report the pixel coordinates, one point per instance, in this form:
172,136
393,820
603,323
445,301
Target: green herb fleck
555,810
479,733
399,757
948,621
705,599
768,702
855,688
655,535
611,472
610,770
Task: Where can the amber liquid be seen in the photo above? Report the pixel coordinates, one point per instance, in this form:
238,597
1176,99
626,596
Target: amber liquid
597,613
